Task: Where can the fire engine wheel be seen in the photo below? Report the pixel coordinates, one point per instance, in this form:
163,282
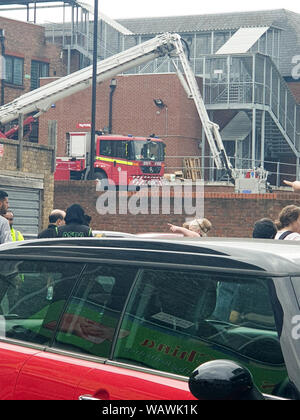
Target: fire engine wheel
100,175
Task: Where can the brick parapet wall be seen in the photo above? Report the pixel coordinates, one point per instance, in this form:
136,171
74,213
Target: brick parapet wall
232,215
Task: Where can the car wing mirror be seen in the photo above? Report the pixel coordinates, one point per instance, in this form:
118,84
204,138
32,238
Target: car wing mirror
223,380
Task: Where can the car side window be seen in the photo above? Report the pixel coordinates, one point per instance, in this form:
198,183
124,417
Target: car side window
32,297
93,312
106,147
177,320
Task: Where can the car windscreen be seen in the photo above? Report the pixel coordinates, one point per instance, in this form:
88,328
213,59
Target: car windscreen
148,150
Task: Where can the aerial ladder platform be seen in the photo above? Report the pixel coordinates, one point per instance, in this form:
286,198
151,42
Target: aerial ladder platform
167,44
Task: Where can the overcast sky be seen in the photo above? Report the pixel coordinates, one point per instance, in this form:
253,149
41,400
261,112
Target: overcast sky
118,9
142,8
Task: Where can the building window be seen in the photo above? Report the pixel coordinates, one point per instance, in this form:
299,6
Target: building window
220,38
38,69
203,45
14,70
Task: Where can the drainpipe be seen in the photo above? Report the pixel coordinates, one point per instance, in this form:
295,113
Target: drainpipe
90,170
113,85
2,64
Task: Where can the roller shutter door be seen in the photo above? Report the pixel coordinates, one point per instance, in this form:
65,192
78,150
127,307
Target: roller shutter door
25,204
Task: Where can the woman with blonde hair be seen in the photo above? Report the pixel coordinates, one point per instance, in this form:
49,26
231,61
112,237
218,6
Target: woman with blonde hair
288,223
194,229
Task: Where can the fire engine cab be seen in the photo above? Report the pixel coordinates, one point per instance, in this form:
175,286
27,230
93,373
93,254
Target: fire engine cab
119,160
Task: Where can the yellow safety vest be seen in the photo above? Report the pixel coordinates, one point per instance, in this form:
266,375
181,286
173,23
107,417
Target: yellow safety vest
16,235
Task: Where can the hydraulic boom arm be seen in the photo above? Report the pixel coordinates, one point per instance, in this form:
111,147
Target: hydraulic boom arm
41,99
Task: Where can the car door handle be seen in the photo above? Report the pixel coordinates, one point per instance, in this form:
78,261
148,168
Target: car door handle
88,397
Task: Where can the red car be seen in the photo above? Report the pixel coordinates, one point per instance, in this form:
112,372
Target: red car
138,319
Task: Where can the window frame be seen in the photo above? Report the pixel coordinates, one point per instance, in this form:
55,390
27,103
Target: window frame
116,146
40,67
76,287
11,80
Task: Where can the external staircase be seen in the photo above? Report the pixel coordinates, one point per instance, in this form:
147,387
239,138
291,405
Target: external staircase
77,34
277,114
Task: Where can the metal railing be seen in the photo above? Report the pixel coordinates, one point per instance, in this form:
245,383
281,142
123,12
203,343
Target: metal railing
277,171
78,37
252,80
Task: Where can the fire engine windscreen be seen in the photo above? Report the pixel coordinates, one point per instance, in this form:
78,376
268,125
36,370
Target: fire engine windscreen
148,150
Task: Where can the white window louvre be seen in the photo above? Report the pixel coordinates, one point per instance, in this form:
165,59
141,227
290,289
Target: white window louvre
242,40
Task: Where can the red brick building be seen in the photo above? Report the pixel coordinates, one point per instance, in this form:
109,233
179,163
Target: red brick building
27,176
133,112
28,57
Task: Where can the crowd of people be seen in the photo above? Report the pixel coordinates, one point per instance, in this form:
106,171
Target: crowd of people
74,223
286,227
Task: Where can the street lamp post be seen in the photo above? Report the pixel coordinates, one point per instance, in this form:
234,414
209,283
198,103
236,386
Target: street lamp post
113,85
94,89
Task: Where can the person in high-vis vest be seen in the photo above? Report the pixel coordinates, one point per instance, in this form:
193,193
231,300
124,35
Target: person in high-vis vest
15,234
5,235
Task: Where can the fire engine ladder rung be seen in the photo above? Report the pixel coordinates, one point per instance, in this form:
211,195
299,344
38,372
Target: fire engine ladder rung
214,143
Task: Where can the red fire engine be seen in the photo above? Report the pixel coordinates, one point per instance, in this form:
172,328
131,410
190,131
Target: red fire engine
119,160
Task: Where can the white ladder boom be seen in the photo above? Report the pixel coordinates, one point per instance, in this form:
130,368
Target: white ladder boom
41,99
211,129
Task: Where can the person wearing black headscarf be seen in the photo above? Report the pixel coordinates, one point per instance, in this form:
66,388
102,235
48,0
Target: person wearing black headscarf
75,226
265,229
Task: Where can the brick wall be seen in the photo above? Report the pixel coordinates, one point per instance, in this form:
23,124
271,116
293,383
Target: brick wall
232,215
36,164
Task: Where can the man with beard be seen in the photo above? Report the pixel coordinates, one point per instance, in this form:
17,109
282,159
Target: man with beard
16,236
5,235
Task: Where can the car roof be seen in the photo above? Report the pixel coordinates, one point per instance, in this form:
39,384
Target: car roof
276,258
153,235
111,233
